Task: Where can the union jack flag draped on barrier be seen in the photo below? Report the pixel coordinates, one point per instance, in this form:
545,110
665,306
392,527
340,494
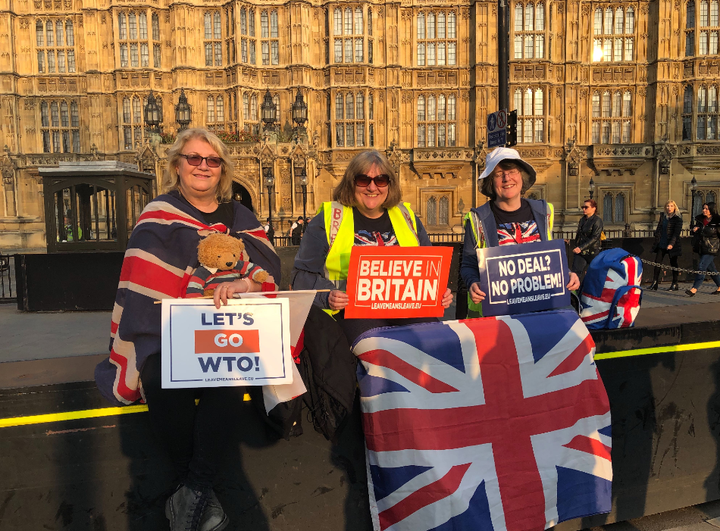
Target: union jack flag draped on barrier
611,292
484,424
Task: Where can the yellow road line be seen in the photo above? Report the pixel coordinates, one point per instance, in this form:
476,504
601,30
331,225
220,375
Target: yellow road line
657,350
75,415
110,411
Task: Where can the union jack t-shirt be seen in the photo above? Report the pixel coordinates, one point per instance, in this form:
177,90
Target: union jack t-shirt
516,227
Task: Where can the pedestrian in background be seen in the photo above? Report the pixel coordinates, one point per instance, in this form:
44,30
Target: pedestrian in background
587,241
296,231
667,242
706,238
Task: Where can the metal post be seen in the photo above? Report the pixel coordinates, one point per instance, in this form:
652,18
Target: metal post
503,54
304,192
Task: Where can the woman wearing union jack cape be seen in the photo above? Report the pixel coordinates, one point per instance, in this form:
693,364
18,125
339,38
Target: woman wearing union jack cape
507,219
159,262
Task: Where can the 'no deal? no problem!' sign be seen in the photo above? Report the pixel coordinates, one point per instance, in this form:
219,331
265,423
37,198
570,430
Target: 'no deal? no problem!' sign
397,282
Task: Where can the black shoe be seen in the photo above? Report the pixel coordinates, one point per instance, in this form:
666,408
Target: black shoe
654,286
715,292
690,293
673,287
195,510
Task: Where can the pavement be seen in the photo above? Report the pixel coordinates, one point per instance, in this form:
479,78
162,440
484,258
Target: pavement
50,348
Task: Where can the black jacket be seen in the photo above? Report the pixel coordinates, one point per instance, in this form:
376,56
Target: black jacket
588,234
707,238
674,227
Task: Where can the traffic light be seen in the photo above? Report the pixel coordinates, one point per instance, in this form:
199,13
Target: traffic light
512,129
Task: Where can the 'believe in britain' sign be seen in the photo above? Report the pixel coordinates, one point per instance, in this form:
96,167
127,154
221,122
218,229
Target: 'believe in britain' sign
523,278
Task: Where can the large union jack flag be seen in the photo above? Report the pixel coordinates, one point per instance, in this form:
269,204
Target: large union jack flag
484,424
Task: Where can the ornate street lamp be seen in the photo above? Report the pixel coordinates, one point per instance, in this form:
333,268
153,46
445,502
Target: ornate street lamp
299,110
302,178
591,187
153,114
182,111
268,111
270,184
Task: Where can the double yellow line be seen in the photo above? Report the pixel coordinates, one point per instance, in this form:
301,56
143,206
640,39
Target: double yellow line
126,410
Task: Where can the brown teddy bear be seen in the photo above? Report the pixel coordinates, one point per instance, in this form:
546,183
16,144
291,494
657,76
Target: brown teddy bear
221,260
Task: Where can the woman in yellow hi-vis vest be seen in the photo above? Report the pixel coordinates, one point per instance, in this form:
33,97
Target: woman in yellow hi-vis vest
366,209
507,219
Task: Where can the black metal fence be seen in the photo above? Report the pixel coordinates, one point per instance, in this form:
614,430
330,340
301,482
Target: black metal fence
8,291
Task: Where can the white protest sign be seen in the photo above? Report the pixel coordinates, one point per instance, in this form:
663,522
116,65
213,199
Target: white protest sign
244,343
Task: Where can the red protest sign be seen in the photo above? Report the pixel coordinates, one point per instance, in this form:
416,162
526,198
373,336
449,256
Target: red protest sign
396,282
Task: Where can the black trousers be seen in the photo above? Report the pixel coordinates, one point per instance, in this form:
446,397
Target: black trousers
580,263
659,257
197,437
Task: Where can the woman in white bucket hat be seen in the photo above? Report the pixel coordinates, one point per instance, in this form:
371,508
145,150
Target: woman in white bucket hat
506,219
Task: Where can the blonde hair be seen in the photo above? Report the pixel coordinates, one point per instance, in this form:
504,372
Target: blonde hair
676,212
171,178
344,192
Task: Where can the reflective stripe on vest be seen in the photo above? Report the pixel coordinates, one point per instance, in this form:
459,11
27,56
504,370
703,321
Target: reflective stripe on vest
340,230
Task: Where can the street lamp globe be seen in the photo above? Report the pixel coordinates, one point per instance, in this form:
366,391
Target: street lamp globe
182,111
591,187
153,113
268,110
299,110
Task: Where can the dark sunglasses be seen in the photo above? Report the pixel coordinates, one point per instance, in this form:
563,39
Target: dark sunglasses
381,181
585,207
196,160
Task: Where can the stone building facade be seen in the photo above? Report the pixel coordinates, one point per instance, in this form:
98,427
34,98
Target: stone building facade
623,92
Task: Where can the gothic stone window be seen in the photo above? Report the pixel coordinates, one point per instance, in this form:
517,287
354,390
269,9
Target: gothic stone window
230,34
55,44
611,117
708,28
269,44
705,113
60,126
436,38
436,120
247,36
529,30
132,123
614,205
614,34
250,112
135,41
530,107
437,210
353,119
216,113
213,38
351,35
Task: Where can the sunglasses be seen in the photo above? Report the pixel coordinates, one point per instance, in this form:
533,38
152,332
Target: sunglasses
196,160
585,207
381,181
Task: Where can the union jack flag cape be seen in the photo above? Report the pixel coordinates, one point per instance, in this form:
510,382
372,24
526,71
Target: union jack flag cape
159,261
484,424
611,293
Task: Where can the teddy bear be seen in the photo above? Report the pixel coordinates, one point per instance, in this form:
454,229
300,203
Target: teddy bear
221,260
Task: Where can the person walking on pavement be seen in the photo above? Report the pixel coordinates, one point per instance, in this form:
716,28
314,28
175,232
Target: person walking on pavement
667,242
587,240
706,238
297,230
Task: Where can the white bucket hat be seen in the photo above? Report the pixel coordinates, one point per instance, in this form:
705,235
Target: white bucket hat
497,155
